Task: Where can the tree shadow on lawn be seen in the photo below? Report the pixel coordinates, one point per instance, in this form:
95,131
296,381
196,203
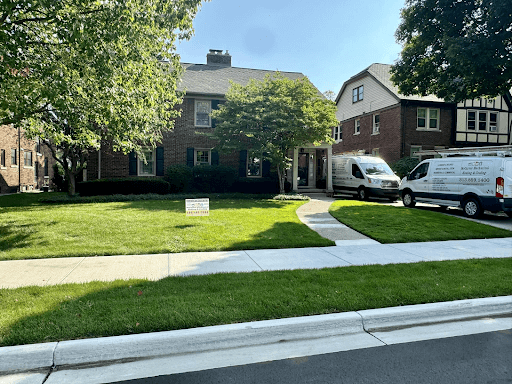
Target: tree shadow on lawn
13,235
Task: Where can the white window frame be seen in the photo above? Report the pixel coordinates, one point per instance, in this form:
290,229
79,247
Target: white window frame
376,124
337,133
26,157
489,127
209,103
418,148
357,126
357,94
196,150
14,163
252,156
2,158
140,163
427,119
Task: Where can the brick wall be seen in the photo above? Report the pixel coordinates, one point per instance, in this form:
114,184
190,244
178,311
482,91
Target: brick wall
10,174
398,131
184,135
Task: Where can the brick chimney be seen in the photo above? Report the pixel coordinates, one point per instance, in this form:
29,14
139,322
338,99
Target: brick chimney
216,57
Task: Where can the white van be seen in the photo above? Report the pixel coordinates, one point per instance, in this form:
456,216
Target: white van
365,176
474,183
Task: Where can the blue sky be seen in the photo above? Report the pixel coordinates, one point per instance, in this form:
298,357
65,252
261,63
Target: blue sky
327,40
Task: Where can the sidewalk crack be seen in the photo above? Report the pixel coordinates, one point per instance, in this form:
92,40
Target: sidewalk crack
69,273
253,260
364,328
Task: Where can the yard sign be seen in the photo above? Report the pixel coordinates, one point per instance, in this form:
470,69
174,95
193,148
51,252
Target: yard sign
197,207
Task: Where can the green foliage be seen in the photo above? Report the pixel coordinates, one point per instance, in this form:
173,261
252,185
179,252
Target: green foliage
82,73
266,185
405,165
214,179
455,49
179,177
124,186
273,116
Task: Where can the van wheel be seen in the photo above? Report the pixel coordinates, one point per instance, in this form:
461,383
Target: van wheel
408,199
472,208
362,194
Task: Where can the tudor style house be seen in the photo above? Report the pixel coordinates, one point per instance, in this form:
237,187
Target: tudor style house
376,119
25,165
205,86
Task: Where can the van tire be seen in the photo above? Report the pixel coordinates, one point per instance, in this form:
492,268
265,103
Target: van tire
362,194
408,199
472,208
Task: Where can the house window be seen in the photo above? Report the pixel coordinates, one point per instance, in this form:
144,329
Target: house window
428,118
36,172
38,145
357,94
253,166
203,109
46,167
357,127
28,158
202,157
493,121
14,157
376,124
147,167
471,120
414,150
375,152
2,157
337,133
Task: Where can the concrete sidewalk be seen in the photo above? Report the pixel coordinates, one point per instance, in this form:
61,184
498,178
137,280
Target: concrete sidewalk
17,273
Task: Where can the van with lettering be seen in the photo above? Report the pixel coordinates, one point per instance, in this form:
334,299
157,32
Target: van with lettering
473,183
364,176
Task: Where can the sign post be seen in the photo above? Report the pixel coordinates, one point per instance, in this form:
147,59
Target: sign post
197,207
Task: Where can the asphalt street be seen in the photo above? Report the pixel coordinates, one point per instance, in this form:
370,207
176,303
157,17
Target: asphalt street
479,358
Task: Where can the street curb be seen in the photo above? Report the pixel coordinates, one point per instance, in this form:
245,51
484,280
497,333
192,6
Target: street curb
111,350
386,319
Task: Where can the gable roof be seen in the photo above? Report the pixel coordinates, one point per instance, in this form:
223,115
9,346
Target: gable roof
213,80
381,74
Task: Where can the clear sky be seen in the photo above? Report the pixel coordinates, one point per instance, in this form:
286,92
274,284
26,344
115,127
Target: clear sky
327,40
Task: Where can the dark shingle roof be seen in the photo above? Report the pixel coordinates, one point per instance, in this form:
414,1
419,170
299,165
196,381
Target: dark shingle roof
214,79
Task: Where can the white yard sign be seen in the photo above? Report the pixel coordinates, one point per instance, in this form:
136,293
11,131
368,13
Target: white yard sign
197,207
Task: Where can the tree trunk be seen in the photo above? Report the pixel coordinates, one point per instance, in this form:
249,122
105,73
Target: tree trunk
70,178
280,176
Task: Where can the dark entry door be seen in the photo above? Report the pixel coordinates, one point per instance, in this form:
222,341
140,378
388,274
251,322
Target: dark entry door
303,163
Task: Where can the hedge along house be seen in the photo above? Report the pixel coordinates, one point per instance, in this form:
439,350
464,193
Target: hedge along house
205,86
376,119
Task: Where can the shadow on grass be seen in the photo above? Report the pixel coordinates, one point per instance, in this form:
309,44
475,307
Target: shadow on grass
13,235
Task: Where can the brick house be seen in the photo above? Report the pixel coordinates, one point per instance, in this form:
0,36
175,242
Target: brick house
25,165
205,86
376,119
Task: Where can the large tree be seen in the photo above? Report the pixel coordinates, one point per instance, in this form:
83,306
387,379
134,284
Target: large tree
272,116
79,73
455,49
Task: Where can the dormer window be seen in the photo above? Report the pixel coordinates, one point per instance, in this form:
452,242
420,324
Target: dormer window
357,94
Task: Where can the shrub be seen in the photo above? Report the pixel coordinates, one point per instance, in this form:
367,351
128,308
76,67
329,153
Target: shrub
214,179
268,185
179,177
124,186
405,165
59,182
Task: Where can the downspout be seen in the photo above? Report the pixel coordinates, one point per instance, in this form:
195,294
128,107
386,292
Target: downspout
19,159
99,163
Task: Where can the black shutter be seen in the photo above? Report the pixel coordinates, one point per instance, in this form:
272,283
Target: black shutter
132,161
242,170
190,157
159,161
265,168
215,158
215,105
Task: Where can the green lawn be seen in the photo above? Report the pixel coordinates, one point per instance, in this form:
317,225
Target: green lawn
74,311
389,224
29,229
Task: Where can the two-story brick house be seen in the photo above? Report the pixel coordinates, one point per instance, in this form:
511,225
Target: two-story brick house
25,165
376,119
205,86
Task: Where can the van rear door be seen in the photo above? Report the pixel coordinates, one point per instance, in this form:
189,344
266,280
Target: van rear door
507,181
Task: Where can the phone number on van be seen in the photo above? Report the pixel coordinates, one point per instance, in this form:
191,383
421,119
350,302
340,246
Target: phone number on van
474,180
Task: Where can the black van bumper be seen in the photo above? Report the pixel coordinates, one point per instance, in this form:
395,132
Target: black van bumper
391,193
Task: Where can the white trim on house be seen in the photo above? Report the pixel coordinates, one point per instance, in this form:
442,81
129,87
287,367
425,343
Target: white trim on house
259,159
204,108
143,167
199,156
425,119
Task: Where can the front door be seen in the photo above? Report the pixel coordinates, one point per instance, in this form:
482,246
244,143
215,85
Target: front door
303,163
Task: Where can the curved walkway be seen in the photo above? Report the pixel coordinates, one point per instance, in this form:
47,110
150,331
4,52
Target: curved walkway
315,214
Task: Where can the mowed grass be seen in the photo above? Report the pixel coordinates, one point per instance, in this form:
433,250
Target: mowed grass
96,309
389,224
29,229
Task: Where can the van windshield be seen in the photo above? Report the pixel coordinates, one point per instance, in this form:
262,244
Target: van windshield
376,169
